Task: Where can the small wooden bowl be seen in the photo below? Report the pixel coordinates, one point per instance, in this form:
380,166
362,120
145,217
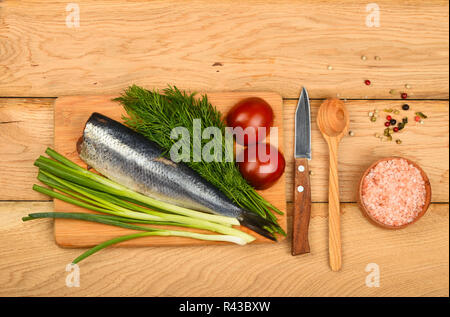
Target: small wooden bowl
427,195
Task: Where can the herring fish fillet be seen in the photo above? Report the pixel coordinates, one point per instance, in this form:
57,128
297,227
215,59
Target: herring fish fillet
131,160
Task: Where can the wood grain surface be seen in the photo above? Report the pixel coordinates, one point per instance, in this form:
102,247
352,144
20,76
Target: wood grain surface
426,144
412,262
26,130
71,114
225,45
23,141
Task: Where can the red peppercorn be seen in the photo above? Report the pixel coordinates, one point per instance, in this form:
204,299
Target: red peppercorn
396,129
388,118
367,82
404,95
417,118
387,123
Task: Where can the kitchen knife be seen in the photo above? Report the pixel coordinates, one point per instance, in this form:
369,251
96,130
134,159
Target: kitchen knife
302,190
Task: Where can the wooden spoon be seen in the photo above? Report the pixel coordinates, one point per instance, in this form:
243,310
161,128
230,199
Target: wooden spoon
333,122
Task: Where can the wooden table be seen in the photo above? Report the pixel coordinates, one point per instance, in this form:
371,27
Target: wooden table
239,46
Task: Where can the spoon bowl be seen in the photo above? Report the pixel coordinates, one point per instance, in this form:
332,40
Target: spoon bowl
333,119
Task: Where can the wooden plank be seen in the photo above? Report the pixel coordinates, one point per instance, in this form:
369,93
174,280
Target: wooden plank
22,142
413,262
71,114
426,144
221,45
26,129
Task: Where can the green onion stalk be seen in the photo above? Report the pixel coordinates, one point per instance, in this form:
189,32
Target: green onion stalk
124,223
120,206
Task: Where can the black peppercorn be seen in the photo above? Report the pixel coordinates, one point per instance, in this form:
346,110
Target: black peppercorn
405,107
393,121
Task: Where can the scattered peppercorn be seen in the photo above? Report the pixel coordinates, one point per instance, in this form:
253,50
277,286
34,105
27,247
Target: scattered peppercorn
407,86
420,114
363,58
367,82
393,125
351,133
393,91
404,95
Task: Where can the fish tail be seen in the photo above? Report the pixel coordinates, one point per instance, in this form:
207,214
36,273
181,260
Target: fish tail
257,224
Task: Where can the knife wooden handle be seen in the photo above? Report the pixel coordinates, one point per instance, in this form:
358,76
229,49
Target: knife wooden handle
302,207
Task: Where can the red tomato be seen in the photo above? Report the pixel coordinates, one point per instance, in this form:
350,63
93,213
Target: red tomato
252,113
261,170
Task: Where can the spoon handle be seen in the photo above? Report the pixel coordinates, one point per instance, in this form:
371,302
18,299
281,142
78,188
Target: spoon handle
334,223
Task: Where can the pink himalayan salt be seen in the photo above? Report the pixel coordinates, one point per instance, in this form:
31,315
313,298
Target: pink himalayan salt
394,192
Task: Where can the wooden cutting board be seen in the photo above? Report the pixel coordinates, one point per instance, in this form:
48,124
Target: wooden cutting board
71,114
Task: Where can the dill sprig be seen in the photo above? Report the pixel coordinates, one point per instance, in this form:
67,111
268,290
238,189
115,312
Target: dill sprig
155,114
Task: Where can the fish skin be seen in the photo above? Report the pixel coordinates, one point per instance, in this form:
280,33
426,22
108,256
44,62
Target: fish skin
128,158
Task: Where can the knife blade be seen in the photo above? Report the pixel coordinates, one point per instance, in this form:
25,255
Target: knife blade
302,190
303,127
